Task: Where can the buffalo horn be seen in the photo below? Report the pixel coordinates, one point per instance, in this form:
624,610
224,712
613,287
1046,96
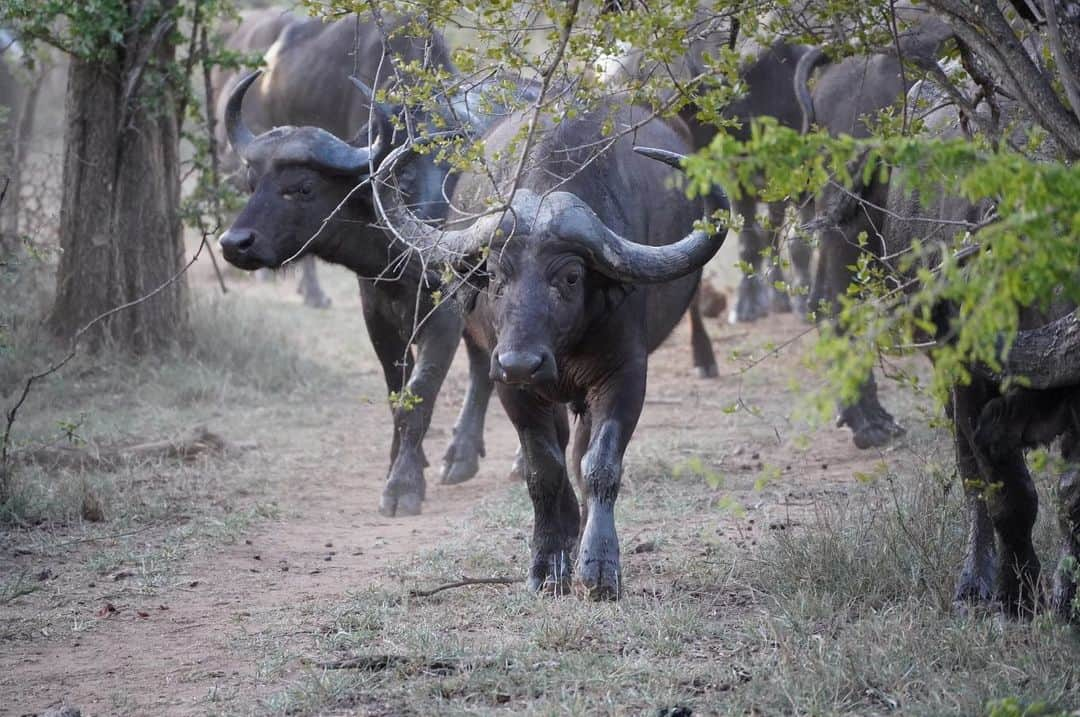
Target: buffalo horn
380,132
238,133
629,262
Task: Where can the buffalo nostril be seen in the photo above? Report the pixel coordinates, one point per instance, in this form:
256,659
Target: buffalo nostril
236,240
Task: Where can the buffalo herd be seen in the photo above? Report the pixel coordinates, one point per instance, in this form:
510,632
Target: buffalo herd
568,255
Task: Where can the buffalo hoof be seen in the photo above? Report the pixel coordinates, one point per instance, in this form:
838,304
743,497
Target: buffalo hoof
598,573
975,587
517,471
800,306
461,462
550,573
781,302
749,301
1018,583
871,426
400,506
710,371
317,301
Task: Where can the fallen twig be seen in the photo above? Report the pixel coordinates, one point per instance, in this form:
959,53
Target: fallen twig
109,536
464,582
379,663
198,442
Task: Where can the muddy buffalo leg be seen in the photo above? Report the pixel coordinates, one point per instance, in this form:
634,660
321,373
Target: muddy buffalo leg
750,296
700,344
418,386
1013,505
1063,597
615,406
393,352
780,302
462,459
801,251
543,436
309,286
871,425
978,574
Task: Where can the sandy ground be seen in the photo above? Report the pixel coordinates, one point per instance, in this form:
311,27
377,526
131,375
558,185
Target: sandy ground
167,649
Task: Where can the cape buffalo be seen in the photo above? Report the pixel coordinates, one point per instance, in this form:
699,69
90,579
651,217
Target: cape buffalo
304,183
588,268
992,429
767,74
846,100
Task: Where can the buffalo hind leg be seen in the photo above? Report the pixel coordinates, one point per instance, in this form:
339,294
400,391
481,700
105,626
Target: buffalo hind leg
1066,576
462,459
543,432
614,409
871,425
978,575
750,302
700,344
801,251
309,286
775,285
580,444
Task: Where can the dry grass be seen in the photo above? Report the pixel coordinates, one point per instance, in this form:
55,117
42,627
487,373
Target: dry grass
847,614
233,357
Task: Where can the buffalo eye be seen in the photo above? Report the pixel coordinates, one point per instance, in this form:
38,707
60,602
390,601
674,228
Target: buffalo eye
298,191
568,277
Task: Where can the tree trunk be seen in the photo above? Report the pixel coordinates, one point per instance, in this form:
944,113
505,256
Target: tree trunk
120,228
11,103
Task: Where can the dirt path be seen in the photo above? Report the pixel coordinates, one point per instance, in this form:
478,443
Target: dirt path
179,648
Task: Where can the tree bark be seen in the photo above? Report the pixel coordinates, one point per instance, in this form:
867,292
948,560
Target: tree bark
12,96
120,227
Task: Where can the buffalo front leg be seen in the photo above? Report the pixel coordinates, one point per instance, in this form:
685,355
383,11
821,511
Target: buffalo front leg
413,388
978,573
462,459
614,410
750,302
1013,505
543,438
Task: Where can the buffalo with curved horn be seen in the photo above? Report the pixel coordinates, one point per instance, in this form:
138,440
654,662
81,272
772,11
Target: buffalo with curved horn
311,195
587,267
